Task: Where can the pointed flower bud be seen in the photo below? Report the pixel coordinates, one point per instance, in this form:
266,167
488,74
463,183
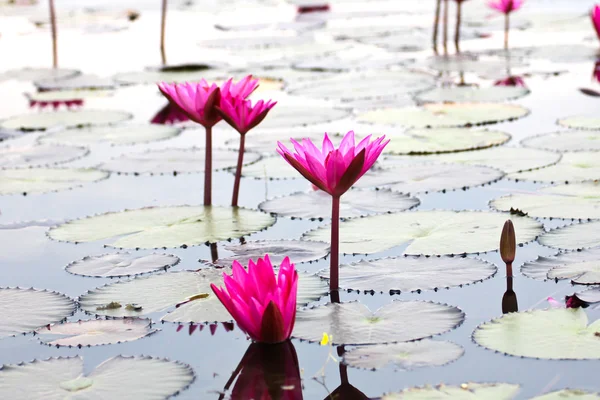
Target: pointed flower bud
508,243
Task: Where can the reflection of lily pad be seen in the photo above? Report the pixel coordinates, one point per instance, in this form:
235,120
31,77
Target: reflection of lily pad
25,310
436,115
581,200
354,323
573,237
316,204
69,119
555,334
572,167
96,332
566,141
466,391
40,155
427,232
581,122
572,394
42,180
299,251
119,378
119,135
579,267
155,227
121,264
467,94
410,274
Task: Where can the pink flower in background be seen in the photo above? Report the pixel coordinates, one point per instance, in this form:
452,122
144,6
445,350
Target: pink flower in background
196,100
313,8
242,115
264,306
169,115
506,6
334,170
242,89
596,74
570,302
595,15
511,81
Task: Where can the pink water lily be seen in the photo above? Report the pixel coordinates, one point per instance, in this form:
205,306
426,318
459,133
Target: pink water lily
263,305
511,81
595,15
506,7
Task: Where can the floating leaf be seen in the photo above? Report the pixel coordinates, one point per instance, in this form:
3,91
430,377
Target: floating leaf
25,310
64,96
96,332
404,356
566,141
581,268
581,122
357,57
256,41
81,81
43,180
466,391
270,168
354,203
169,161
353,323
118,378
35,74
69,119
410,274
565,53
435,115
154,227
572,167
39,155
459,63
288,116
573,394
590,295
467,94
119,135
426,232
428,177
573,237
581,200
121,264
179,73
556,334
299,251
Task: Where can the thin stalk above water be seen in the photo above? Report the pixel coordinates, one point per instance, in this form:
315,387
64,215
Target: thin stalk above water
436,23
238,172
335,244
208,168
457,28
54,38
506,29
163,24
445,22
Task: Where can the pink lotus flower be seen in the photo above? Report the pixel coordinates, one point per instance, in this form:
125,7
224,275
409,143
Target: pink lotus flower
242,89
595,15
242,115
262,305
334,170
570,302
511,81
506,6
169,115
196,100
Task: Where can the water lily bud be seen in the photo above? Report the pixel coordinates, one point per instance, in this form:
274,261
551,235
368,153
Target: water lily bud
508,243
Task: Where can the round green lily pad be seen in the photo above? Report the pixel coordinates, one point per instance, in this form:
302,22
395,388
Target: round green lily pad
466,391
117,135
427,232
467,94
569,394
404,356
25,310
440,115
573,237
566,141
580,267
43,180
155,227
580,200
69,119
572,168
121,264
555,334
411,274
118,378
589,122
354,323
40,155
316,204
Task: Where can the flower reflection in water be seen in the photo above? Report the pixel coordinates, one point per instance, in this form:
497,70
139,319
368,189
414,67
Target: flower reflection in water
169,115
228,326
345,391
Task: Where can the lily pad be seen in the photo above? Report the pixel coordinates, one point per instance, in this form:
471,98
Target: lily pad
299,251
316,204
40,155
256,41
64,96
96,332
404,356
81,81
466,391
573,237
573,394
442,140
25,310
428,177
35,74
188,291
590,122
354,323
153,227
441,115
566,141
181,73
590,295
270,168
426,232
43,180
118,378
121,264
581,200
68,119
117,135
476,65
572,168
173,161
353,58
556,334
412,274
466,94
284,116
580,267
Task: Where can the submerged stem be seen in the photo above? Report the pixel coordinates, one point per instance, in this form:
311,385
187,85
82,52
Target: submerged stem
238,172
335,244
509,271
445,22
163,24
436,23
506,29
208,168
457,28
53,29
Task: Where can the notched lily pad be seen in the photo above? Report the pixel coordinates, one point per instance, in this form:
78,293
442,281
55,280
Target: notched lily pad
121,264
154,227
25,310
581,268
467,94
38,155
43,180
95,332
466,391
555,334
572,168
354,323
68,119
573,237
116,135
299,251
572,394
566,141
589,122
316,204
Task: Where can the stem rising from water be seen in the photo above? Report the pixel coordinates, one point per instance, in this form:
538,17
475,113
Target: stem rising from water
163,24
208,168
335,244
54,38
238,172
